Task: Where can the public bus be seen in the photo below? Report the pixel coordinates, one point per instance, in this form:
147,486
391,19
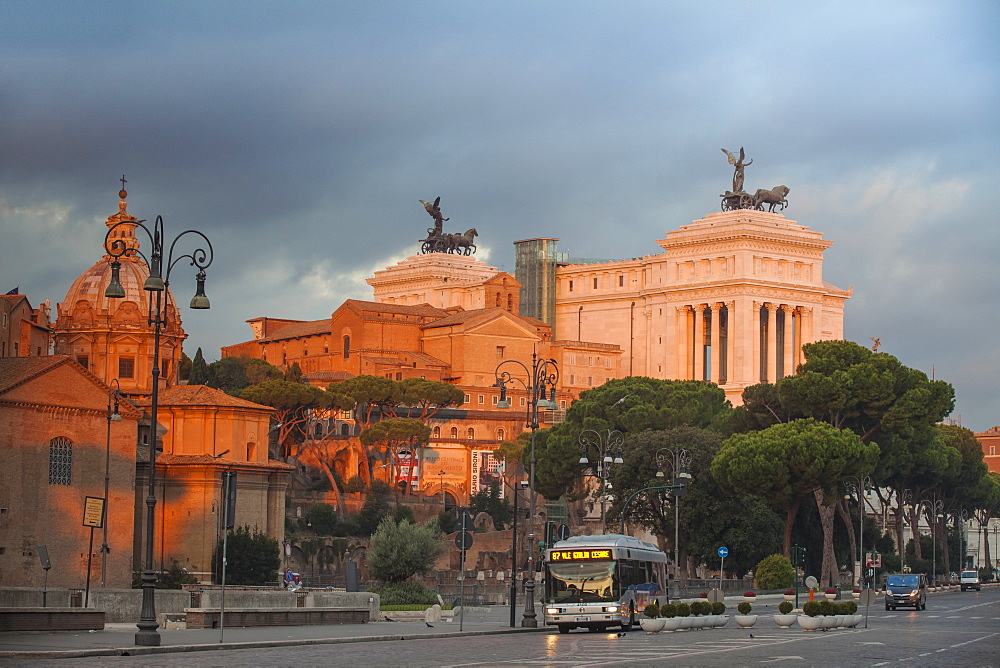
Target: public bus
596,582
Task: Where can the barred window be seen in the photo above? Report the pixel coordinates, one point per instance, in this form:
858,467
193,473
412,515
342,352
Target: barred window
60,461
126,367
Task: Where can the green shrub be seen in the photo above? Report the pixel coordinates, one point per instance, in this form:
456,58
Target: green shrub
402,593
744,608
400,550
785,607
697,609
811,608
683,610
848,608
774,572
718,608
652,611
827,608
252,558
668,610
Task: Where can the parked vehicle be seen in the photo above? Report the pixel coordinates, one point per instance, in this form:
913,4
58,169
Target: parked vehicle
970,580
906,589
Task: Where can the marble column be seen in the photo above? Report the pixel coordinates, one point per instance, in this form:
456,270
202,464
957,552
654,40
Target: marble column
730,368
699,341
716,364
683,343
787,355
755,357
772,342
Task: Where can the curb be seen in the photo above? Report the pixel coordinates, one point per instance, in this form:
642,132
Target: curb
261,644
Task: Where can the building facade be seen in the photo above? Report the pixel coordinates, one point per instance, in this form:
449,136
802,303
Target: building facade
732,299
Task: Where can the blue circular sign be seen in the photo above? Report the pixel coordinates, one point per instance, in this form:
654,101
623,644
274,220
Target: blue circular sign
723,551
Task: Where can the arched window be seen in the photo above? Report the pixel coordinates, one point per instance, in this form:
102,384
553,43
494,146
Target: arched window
501,434
345,429
437,432
454,432
347,347
498,300
318,430
471,433
510,302
60,461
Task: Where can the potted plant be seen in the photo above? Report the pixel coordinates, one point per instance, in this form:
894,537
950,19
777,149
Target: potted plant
789,594
650,621
671,622
684,613
830,594
784,619
719,612
749,596
810,621
856,593
745,620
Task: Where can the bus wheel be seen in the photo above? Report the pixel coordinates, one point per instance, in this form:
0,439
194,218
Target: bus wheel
564,628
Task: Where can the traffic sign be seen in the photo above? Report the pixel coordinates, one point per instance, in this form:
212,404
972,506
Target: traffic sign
868,596
463,540
723,552
716,596
563,532
874,559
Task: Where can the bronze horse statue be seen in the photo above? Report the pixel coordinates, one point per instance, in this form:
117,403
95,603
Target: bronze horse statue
773,197
461,244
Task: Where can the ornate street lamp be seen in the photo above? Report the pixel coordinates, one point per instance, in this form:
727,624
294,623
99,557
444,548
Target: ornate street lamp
542,378
607,442
679,462
862,487
934,509
114,396
158,282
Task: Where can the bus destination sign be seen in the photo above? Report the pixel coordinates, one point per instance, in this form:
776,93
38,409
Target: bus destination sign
579,555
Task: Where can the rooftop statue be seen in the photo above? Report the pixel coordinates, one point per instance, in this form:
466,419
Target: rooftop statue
439,242
737,198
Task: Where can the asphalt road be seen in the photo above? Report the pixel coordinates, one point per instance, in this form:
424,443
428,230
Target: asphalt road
957,628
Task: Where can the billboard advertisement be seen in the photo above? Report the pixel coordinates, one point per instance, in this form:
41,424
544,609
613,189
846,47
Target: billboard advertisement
485,470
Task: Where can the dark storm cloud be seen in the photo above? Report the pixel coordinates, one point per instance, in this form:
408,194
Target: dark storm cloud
299,136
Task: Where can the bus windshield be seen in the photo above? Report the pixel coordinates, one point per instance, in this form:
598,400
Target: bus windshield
582,582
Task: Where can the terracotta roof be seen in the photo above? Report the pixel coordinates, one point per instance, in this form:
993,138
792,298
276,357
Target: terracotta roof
17,370
174,460
429,360
479,314
381,360
200,395
378,307
14,299
328,376
297,329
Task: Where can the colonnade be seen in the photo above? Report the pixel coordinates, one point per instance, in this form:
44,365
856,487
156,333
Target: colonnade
741,341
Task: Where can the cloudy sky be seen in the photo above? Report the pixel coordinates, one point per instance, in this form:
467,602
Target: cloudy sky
299,136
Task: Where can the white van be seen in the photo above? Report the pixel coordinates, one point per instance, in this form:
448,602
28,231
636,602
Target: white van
970,580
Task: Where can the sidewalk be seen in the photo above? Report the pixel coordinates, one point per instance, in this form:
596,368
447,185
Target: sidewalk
119,639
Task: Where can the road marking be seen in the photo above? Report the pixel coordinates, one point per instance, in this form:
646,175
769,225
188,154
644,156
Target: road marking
782,658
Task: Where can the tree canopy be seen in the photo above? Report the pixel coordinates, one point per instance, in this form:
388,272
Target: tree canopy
402,549
786,462
630,405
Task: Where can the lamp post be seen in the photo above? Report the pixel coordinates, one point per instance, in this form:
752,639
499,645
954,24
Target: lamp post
120,245
861,486
933,508
444,501
114,396
679,462
542,378
607,442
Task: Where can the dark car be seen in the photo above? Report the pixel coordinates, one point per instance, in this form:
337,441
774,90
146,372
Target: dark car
906,589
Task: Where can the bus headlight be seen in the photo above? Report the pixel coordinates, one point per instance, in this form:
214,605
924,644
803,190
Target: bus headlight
611,608
553,611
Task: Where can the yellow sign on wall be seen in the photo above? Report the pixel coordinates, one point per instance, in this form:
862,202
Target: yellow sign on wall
93,512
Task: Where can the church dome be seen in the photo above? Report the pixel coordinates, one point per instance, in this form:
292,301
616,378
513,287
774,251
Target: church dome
111,335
